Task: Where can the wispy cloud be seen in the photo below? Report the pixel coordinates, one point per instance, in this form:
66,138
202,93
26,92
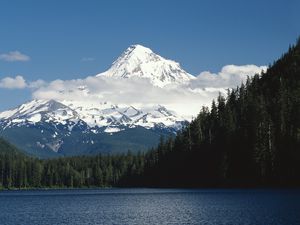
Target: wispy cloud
14,56
36,84
87,59
17,82
230,76
185,99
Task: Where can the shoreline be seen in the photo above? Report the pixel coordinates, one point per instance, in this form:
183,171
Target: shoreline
154,188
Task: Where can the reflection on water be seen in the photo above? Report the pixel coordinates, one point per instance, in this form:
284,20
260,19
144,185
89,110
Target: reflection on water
150,206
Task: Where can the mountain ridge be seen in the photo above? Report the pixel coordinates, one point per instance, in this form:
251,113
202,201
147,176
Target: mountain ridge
52,125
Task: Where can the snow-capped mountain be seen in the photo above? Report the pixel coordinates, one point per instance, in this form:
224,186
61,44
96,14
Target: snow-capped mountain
139,61
50,128
39,110
78,126
95,117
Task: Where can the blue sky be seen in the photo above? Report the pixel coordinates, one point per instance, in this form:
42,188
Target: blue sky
74,39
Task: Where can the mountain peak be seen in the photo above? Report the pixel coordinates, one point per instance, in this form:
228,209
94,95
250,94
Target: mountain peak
137,48
135,55
142,62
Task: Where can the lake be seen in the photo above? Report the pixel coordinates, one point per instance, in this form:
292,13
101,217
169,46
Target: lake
150,206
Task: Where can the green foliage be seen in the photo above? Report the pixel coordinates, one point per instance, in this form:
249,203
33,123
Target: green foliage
20,171
251,138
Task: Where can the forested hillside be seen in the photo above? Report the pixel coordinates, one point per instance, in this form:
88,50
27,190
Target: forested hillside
20,171
249,138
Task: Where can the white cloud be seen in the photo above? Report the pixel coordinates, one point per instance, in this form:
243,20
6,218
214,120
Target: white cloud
17,82
186,99
37,84
230,76
14,56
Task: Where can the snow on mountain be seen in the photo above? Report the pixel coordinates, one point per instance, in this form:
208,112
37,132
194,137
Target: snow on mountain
39,110
142,62
78,121
136,61
103,115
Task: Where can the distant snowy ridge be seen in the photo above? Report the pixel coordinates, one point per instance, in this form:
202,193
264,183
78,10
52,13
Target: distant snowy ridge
103,115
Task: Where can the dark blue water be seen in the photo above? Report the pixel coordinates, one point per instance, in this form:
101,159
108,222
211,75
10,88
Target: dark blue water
150,206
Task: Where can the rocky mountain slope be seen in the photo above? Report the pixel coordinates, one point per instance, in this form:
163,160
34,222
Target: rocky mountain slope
71,127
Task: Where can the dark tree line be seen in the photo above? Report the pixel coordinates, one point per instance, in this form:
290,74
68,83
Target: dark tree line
20,171
249,138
